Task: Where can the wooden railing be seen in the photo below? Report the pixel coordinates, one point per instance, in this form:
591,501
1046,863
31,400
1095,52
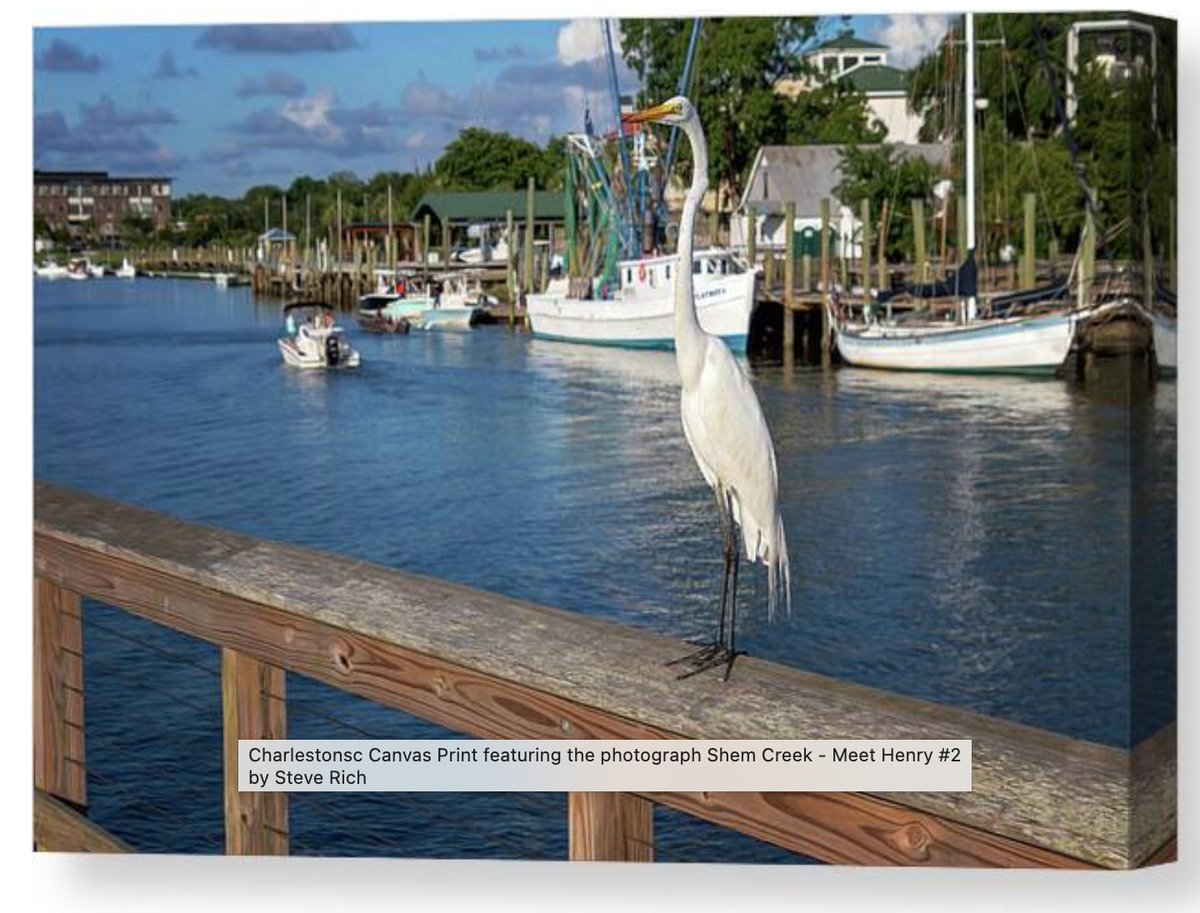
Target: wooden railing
489,666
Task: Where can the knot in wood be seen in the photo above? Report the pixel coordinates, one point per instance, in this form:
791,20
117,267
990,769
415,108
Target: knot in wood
913,839
341,657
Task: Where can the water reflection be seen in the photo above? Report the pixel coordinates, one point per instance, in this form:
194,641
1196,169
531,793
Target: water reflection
965,539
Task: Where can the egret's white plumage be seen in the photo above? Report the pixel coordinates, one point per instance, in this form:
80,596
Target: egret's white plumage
722,418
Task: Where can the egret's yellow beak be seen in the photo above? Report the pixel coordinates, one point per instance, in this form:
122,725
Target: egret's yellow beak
649,115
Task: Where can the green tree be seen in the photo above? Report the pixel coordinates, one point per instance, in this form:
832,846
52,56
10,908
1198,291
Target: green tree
883,173
739,64
478,159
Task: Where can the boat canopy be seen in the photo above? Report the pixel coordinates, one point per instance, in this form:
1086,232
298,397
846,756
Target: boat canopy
302,305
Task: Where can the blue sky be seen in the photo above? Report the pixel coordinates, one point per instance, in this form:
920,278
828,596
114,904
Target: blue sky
222,108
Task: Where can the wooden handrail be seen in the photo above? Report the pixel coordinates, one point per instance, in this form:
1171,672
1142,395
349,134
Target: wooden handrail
487,665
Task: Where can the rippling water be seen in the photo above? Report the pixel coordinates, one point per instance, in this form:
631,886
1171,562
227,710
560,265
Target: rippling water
962,539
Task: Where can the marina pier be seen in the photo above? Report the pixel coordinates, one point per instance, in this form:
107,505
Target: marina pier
485,665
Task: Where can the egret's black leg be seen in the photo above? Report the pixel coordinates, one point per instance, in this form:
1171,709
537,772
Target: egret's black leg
732,651
716,652
713,653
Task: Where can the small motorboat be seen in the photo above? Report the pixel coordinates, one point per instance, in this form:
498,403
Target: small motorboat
312,339
127,270
79,268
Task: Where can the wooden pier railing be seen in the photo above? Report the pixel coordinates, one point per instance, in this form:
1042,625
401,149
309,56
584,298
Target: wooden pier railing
489,666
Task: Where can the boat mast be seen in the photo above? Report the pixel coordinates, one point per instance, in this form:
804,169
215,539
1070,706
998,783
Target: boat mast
969,104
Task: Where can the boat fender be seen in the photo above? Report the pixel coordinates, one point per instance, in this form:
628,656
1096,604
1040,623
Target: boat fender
641,272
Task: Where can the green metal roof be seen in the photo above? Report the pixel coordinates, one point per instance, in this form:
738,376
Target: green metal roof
847,42
875,77
489,205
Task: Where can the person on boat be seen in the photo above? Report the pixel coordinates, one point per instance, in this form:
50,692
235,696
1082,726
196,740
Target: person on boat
401,289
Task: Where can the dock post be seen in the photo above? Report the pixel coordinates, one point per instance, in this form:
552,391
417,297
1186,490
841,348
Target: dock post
1029,273
864,247
610,827
1087,259
920,253
58,734
1171,268
789,284
714,226
806,273
826,330
1147,256
769,270
445,258
509,273
253,707
881,271
425,237
529,225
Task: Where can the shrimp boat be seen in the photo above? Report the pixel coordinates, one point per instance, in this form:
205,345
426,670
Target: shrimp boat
637,312
313,340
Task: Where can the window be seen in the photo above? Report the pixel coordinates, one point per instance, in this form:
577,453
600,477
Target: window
668,273
850,60
829,64
872,58
629,277
697,267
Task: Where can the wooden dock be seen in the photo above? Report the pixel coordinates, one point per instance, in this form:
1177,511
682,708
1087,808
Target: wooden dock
445,653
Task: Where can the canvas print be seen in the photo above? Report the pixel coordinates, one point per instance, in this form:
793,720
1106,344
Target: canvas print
653,380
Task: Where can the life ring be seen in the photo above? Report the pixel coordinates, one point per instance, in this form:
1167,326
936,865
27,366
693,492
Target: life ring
641,272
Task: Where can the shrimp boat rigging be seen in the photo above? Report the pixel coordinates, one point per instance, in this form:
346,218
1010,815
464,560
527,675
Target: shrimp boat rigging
619,287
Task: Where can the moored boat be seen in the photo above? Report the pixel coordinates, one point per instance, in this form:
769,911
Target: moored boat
638,311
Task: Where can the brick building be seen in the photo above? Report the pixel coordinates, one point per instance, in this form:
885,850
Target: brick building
93,202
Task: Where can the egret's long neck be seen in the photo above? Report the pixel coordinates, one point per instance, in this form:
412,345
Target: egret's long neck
689,338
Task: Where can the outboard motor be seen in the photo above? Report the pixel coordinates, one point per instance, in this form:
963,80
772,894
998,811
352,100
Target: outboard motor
333,350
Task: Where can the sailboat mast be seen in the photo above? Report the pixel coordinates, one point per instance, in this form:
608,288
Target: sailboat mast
969,104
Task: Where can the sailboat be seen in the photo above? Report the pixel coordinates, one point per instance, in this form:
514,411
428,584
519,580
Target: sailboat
1037,344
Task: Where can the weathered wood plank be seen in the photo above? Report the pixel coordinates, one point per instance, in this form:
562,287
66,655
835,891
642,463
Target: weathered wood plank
254,707
58,733
488,665
58,828
849,828
610,827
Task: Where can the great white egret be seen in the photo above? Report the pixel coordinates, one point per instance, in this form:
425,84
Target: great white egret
723,422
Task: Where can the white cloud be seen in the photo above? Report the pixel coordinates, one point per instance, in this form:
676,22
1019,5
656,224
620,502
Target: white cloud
910,37
583,39
312,114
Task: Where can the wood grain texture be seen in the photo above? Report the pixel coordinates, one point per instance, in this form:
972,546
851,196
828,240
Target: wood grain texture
488,665
58,733
58,828
610,827
848,828
253,707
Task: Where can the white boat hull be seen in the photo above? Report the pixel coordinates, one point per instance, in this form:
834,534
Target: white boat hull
646,320
299,358
447,318
1018,345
